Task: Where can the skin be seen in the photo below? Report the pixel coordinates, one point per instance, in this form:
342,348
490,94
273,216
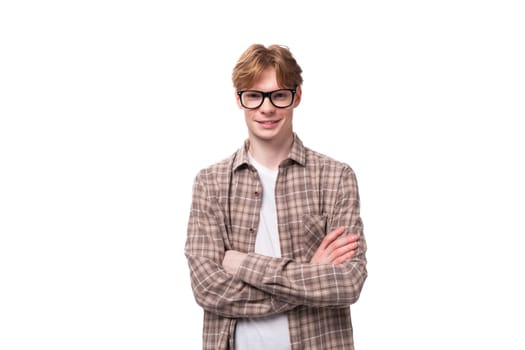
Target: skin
270,131
335,249
270,143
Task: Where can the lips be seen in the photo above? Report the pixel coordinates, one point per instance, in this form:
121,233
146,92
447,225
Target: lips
267,122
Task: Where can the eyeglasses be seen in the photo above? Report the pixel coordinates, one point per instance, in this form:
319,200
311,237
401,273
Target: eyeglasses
253,99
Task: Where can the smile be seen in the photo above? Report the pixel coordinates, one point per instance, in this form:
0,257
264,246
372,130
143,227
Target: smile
268,122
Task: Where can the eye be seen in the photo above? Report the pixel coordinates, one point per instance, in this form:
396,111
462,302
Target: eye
281,95
252,95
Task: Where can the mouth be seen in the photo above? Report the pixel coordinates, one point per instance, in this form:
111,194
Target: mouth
267,123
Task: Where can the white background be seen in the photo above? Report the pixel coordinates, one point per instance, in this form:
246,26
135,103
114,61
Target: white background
109,108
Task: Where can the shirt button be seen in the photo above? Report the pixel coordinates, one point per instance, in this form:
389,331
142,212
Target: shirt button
256,193
251,230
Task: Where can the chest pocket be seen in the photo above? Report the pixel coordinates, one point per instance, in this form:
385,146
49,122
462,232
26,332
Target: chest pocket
313,229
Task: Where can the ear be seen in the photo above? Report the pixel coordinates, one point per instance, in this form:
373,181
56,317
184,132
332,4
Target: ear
298,96
238,99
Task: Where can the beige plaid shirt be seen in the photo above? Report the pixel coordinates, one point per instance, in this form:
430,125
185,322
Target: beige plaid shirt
314,194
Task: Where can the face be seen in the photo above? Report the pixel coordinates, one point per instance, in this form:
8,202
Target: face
269,123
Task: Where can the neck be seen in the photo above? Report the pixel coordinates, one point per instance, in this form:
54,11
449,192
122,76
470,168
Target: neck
270,153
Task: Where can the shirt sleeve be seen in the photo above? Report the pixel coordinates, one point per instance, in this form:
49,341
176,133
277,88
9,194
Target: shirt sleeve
214,289
317,285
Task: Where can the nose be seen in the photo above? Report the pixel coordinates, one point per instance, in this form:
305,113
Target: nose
267,106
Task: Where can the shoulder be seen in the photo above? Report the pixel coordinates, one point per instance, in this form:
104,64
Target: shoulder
322,161
219,167
336,178
217,174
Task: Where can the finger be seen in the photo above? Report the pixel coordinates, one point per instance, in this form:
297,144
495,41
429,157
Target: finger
344,241
345,249
344,258
353,237
332,236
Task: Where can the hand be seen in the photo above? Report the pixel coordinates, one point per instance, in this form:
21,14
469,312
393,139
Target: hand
336,251
232,260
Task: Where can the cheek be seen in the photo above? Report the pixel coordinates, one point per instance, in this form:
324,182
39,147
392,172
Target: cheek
287,116
248,115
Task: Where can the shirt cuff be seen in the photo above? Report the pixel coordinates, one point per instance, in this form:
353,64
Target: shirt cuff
253,268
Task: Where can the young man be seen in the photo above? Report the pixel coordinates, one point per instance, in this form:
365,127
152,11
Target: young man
275,242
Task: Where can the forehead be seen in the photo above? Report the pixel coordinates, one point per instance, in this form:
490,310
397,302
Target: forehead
267,81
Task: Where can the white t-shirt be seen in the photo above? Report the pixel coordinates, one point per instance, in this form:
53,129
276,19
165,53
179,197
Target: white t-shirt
266,333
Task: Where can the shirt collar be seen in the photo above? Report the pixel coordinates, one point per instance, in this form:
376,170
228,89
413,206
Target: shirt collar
297,154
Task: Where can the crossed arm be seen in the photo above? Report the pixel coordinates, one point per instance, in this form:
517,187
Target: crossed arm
235,284
331,251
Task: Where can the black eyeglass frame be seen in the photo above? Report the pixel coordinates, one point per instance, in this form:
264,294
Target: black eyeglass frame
269,95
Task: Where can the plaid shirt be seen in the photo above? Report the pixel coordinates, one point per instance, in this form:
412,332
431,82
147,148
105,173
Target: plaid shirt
314,194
